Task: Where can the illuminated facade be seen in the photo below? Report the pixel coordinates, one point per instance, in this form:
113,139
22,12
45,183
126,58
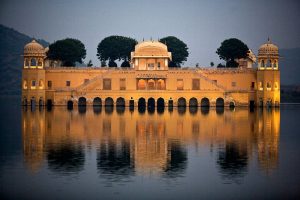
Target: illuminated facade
149,81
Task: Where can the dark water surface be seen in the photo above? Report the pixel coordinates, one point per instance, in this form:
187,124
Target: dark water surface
121,154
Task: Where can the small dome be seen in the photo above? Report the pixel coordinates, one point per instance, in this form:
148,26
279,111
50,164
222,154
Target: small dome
268,49
34,48
151,48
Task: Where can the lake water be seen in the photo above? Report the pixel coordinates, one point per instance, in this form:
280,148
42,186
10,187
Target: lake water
104,153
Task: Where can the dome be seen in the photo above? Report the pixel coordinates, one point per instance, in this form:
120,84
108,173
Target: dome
34,48
268,49
151,49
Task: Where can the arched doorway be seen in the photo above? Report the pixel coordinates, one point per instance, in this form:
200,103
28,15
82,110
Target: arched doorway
70,105
220,102
49,104
141,102
141,84
82,101
181,102
160,102
161,85
120,102
97,101
109,102
269,103
25,101
151,103
205,102
151,84
32,102
231,104
41,102
193,102
131,103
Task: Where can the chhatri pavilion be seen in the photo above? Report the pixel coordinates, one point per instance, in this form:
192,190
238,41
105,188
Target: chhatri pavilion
150,82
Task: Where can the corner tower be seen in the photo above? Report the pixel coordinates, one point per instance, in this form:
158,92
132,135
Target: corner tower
268,75
33,74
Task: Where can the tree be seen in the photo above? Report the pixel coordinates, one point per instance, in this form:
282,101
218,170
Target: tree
89,64
103,63
178,49
115,48
220,65
125,64
212,64
68,51
112,63
232,49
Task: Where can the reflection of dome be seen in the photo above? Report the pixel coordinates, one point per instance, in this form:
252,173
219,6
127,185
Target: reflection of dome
268,49
34,48
151,48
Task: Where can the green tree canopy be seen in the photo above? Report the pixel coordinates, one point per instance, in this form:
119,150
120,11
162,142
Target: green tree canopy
178,49
68,51
115,47
232,49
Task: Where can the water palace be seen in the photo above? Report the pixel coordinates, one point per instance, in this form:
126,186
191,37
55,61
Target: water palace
150,82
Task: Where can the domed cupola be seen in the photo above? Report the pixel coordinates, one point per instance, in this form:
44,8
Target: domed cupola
150,55
268,56
34,55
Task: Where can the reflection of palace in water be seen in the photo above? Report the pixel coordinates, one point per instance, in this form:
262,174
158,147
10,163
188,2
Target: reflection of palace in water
129,142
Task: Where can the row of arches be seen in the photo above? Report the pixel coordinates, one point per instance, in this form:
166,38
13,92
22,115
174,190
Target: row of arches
33,62
150,102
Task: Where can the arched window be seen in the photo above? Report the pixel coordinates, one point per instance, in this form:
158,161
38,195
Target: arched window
269,63
26,63
141,84
260,86
33,62
25,84
41,84
268,86
33,84
275,64
40,63
276,85
151,84
161,84
262,63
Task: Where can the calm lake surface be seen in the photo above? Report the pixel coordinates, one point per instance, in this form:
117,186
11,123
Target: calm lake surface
122,154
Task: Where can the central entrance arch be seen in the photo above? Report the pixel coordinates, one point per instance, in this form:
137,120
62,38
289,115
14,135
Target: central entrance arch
151,102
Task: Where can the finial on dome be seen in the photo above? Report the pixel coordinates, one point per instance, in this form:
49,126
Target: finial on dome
269,40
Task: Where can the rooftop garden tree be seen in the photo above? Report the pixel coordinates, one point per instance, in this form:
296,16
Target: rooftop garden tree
68,51
114,48
232,49
178,49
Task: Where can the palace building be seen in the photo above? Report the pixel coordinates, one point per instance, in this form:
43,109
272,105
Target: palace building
150,82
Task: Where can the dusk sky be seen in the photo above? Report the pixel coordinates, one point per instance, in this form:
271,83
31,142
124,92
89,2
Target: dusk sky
202,25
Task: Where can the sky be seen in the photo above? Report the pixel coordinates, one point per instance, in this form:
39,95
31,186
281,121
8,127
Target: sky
201,24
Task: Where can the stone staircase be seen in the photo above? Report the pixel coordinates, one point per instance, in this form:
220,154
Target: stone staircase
83,86
200,75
